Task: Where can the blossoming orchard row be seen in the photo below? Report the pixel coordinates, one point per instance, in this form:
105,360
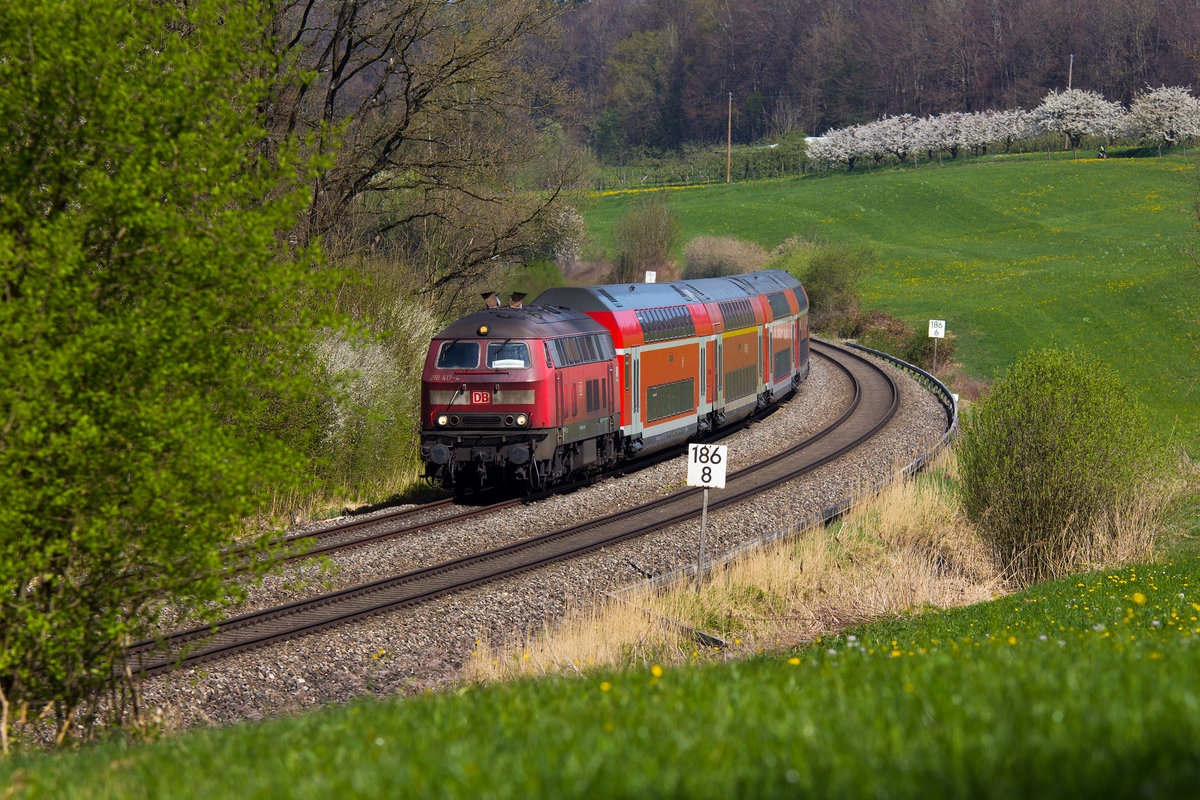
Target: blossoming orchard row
1167,115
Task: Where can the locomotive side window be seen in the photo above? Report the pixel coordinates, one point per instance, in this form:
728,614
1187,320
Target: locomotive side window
458,355
508,355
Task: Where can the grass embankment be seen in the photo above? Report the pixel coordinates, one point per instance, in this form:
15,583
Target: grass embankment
1085,686
1013,255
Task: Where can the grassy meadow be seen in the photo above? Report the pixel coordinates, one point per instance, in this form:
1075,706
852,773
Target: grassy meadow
1082,687
1014,254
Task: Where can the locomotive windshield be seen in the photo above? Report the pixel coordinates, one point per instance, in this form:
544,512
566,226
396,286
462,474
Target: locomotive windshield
508,355
458,355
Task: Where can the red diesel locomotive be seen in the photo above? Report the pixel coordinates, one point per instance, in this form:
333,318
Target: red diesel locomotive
588,376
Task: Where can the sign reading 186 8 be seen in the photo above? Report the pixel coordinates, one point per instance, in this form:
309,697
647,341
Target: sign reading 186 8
706,465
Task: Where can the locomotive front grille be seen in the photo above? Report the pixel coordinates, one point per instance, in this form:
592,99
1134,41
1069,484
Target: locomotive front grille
481,420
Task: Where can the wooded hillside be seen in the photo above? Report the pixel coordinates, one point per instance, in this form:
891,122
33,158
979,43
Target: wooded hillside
659,73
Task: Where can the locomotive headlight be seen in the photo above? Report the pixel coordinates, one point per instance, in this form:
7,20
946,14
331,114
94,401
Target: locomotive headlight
522,420
443,420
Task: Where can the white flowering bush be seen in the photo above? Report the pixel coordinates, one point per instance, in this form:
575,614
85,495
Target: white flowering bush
371,443
569,230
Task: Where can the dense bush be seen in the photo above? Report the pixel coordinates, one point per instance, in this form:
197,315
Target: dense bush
830,274
714,256
1053,460
881,331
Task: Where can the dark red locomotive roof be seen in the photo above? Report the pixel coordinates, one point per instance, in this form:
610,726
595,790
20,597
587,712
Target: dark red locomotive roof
522,323
631,296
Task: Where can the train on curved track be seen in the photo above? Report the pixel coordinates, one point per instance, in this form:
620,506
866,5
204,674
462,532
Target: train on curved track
586,377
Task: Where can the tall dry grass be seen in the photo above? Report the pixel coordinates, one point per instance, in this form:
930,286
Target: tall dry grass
716,256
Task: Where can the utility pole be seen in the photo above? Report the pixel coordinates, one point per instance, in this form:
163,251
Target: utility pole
729,141
1070,75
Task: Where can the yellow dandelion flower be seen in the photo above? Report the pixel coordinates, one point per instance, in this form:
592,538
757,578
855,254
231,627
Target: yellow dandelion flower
794,661
605,686
1139,598
896,654
1012,640
656,671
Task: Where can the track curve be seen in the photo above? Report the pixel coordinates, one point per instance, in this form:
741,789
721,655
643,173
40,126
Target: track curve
874,402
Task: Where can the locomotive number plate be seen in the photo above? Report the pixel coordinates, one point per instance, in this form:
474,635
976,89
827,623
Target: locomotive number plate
478,398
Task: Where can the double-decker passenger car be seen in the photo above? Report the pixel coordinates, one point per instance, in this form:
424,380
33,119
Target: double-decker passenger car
591,375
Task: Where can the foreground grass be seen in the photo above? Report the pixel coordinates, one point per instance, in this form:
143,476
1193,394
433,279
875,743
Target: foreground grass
1013,255
1084,686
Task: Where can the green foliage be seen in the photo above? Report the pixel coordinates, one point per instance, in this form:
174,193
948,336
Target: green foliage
149,325
714,256
1082,688
645,237
830,274
1052,459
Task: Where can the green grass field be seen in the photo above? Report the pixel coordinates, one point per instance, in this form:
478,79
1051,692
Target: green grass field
1013,254
1084,687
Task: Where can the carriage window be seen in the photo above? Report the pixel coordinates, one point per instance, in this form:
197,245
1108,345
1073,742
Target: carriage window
458,355
508,355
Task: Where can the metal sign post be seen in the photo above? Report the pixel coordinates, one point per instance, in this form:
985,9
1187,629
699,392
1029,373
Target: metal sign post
706,467
937,330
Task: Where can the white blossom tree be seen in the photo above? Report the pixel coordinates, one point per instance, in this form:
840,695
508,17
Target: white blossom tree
837,146
1009,127
1076,113
1168,114
896,135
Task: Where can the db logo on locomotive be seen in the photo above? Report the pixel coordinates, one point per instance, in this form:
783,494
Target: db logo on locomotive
480,398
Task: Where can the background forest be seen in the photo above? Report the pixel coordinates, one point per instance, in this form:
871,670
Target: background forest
658,73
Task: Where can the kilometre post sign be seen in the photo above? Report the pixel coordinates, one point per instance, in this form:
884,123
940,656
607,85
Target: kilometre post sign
706,465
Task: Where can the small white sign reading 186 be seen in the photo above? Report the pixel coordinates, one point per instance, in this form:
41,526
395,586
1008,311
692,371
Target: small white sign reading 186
706,465
937,329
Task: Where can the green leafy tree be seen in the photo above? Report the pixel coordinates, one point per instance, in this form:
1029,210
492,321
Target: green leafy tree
150,332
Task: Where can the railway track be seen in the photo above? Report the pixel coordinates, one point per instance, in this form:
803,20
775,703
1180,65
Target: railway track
874,402
359,532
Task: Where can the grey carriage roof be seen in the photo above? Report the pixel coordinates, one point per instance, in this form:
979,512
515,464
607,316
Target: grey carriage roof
622,297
